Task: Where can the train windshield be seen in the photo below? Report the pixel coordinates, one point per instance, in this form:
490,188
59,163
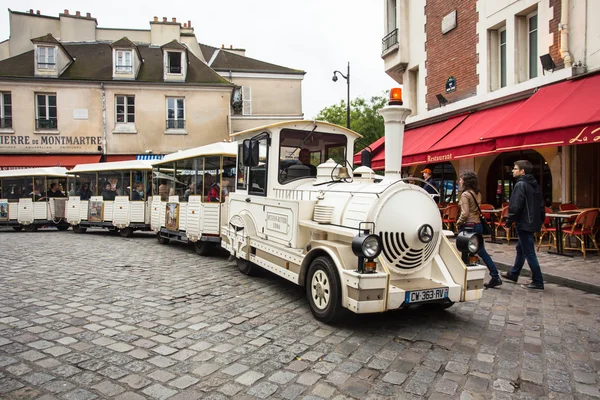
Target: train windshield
300,152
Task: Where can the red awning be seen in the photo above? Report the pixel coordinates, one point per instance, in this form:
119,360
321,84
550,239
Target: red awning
45,160
120,157
465,140
562,114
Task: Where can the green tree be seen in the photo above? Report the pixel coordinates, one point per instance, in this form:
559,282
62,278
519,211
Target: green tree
364,118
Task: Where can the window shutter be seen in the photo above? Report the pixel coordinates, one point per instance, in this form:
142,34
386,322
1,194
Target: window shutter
246,100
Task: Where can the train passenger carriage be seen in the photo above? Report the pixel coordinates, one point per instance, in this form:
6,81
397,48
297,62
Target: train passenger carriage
111,195
32,198
189,192
353,239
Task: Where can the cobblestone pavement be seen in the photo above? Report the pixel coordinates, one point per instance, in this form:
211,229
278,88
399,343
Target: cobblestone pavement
96,316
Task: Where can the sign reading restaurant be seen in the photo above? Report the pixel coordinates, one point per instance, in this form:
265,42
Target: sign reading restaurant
49,143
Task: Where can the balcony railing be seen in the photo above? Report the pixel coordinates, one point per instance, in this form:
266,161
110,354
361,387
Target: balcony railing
174,69
5,123
175,124
389,40
46,123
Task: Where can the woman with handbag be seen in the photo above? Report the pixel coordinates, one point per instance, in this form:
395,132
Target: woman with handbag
470,217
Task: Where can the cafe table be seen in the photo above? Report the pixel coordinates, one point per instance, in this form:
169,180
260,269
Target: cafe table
493,227
558,221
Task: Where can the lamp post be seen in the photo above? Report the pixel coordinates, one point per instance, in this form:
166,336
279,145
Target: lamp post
347,78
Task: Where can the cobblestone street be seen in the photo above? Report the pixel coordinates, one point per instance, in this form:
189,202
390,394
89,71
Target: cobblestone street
99,316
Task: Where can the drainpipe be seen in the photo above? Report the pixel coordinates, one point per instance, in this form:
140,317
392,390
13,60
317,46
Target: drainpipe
103,120
564,34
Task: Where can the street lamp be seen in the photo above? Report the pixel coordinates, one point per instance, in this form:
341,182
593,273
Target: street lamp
347,78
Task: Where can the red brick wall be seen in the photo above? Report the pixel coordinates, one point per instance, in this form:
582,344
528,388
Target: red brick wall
555,48
453,53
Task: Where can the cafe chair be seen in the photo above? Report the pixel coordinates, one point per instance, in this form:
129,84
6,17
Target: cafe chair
501,223
548,229
583,226
449,216
483,208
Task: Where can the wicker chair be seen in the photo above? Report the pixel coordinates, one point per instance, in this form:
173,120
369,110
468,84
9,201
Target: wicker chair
583,226
502,224
548,229
449,216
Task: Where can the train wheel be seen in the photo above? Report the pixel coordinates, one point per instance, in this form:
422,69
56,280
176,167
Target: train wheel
162,239
18,228
30,228
323,290
246,267
79,229
62,227
203,248
126,232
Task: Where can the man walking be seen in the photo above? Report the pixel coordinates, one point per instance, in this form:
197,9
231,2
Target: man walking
526,209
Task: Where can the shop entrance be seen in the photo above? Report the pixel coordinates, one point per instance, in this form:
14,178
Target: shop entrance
500,181
586,175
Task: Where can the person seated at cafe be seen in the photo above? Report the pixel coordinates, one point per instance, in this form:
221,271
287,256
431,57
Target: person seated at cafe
108,194
138,193
54,191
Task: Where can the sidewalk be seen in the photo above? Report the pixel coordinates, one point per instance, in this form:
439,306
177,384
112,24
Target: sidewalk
573,272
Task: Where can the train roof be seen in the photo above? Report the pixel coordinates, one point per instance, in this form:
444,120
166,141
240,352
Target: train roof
213,149
299,124
112,166
56,172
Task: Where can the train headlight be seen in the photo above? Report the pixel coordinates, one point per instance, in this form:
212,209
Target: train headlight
469,243
368,246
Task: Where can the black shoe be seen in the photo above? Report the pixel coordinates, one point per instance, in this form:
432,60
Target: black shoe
533,286
493,283
509,277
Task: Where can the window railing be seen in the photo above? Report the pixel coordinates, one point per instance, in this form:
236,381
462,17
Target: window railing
174,69
175,124
46,123
389,40
42,65
5,123
125,68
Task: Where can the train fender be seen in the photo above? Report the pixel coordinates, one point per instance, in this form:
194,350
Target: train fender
333,254
241,227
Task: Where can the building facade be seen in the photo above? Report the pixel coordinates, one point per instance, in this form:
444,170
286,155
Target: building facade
490,82
72,92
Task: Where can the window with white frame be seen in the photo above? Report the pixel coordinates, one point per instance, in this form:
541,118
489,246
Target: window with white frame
123,61
532,35
174,62
125,109
45,57
502,57
5,110
175,113
45,111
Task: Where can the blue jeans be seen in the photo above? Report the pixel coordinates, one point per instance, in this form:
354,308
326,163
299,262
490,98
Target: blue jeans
526,251
485,256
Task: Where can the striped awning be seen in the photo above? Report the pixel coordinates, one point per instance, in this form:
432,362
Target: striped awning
149,157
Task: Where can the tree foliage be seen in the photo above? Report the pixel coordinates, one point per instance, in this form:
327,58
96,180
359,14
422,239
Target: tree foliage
364,118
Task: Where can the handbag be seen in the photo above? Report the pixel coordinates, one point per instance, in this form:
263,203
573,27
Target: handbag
487,229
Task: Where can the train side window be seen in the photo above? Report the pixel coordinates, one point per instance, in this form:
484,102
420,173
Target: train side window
241,170
257,180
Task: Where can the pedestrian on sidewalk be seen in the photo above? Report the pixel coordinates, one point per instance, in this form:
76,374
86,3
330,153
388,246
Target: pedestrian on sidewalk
470,219
527,210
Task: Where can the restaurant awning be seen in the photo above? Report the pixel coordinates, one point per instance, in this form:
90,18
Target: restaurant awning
562,114
120,157
9,161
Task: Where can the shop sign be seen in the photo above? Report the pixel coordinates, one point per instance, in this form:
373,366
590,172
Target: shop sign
445,157
451,84
49,143
586,135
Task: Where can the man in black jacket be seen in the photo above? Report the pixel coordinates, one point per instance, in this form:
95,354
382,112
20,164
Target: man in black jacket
527,210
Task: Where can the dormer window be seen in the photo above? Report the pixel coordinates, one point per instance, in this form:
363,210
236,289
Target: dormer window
174,62
46,58
123,62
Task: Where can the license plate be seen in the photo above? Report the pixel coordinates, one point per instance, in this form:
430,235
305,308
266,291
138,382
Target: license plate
426,295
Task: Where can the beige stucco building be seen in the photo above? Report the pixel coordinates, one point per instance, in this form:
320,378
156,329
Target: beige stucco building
73,92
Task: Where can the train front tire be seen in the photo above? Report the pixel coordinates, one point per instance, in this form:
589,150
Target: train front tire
246,267
323,290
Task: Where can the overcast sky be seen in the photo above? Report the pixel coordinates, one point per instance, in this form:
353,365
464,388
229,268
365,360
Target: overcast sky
317,36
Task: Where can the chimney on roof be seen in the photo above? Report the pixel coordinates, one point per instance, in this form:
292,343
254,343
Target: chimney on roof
37,12
174,19
66,12
189,23
231,46
31,11
222,46
184,25
88,15
155,19
77,13
164,19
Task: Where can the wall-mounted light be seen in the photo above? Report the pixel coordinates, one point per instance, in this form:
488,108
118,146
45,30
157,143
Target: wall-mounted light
443,101
547,63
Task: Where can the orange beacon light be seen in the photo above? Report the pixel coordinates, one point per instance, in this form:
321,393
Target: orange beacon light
395,97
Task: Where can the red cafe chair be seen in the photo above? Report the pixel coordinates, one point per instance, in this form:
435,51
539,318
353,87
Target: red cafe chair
583,226
501,224
450,215
548,229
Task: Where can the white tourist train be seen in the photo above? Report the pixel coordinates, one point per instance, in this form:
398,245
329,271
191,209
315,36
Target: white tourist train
32,198
111,195
354,240
189,192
